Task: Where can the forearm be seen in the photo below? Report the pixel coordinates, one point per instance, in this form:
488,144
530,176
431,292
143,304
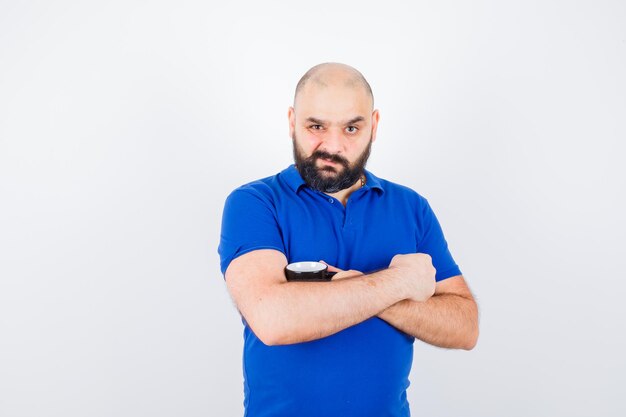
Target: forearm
302,311
444,320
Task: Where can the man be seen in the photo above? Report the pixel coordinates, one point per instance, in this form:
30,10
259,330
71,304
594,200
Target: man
344,347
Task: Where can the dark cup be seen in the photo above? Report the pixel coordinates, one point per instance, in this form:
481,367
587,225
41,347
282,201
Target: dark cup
308,271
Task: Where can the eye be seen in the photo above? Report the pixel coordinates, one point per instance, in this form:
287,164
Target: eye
352,127
316,127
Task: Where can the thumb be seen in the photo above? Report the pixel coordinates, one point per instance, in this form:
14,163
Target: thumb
331,268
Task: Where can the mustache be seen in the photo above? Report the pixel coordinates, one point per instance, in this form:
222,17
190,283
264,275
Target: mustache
332,157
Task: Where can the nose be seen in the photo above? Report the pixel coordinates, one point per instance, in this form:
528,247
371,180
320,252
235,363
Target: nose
333,142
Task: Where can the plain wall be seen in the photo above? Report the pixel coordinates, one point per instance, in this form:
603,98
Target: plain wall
124,125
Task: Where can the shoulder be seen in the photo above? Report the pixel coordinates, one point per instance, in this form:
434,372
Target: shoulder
261,187
251,194
265,190
398,192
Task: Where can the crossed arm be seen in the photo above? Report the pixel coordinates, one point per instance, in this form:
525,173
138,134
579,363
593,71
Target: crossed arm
281,312
448,319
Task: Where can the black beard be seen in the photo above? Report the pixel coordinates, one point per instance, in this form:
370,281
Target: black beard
312,175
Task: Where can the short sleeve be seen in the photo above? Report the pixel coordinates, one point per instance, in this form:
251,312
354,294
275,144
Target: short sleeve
432,241
248,223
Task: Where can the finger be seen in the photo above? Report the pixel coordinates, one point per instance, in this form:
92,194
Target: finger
347,274
332,268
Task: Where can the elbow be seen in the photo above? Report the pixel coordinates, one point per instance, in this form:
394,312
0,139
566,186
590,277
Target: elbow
470,343
273,334
268,332
472,339
277,336
276,340
270,338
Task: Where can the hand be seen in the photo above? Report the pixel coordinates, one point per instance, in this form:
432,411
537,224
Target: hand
417,273
341,274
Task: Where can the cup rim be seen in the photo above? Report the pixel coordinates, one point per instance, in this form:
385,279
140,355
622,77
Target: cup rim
303,267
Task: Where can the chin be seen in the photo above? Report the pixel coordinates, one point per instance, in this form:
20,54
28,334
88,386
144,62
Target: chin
328,172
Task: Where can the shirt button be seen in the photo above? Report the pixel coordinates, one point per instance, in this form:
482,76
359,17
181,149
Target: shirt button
330,200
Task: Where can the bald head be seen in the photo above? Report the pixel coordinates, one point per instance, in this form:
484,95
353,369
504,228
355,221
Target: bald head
333,74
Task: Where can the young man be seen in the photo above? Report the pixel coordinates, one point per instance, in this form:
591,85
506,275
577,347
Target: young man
344,347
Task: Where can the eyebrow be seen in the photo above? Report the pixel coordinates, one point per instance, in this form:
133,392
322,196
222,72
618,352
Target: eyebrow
349,122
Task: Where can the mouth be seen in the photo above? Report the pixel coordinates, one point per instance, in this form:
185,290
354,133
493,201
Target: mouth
327,166
329,161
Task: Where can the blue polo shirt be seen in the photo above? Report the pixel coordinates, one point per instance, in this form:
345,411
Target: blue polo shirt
362,370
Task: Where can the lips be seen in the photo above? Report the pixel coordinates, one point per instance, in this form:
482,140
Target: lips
329,165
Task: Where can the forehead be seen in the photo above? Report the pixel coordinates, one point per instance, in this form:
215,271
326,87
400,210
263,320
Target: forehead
337,101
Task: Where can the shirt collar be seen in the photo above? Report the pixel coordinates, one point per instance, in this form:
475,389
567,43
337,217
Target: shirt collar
372,181
293,178
295,181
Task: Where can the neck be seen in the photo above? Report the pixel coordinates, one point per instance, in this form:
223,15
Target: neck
343,195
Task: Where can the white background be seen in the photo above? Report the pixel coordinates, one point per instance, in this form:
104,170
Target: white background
125,124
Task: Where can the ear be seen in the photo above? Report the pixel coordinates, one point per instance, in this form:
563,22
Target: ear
375,117
291,114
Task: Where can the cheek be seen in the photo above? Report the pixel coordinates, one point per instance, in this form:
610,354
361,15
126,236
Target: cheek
356,152
309,141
